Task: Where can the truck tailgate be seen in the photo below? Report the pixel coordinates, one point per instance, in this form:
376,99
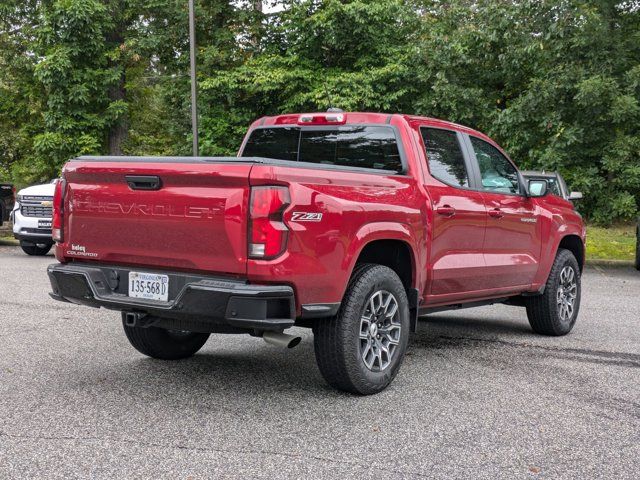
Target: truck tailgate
195,220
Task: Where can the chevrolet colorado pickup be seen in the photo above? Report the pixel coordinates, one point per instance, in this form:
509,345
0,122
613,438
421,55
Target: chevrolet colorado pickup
352,224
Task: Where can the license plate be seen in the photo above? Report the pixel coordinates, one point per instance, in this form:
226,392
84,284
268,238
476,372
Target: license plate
44,223
150,286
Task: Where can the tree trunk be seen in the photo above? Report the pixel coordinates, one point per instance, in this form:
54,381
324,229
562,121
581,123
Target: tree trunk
119,132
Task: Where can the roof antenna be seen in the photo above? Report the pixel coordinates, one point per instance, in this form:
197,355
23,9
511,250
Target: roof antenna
330,109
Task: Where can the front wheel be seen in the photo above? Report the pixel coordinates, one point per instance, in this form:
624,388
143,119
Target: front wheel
360,350
556,310
37,249
164,344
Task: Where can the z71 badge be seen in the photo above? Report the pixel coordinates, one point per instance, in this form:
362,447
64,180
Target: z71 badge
306,217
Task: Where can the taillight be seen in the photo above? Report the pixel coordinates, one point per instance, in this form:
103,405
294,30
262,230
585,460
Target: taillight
267,232
57,223
13,193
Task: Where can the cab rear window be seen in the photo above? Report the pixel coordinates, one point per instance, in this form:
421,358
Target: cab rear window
360,146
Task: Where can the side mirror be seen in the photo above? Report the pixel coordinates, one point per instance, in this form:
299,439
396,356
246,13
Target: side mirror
575,196
538,188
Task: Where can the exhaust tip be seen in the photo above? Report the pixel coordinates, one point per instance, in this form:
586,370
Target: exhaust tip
280,339
294,342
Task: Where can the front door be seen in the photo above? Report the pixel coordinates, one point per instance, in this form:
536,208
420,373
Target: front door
512,239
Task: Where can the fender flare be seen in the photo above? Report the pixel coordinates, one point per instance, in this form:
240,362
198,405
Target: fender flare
370,232
374,231
562,232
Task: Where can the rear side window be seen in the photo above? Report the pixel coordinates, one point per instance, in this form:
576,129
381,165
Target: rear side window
444,155
362,146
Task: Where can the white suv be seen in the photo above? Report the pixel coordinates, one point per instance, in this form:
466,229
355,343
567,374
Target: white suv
31,217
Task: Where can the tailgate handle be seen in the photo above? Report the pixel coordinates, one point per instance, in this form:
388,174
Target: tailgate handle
144,182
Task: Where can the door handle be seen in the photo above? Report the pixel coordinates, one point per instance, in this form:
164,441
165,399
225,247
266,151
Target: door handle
496,213
446,211
144,182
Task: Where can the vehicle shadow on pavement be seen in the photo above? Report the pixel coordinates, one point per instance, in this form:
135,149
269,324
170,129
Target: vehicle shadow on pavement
474,326
250,367
239,370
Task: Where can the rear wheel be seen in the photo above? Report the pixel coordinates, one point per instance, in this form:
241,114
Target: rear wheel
35,248
556,310
360,350
164,344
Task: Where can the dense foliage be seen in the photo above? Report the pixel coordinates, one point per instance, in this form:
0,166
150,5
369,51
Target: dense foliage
557,82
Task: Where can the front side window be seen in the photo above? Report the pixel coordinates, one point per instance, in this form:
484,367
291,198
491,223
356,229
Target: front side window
497,173
444,156
358,146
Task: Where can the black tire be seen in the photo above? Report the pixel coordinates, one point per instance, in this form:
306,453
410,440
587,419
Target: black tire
545,314
164,344
338,342
36,249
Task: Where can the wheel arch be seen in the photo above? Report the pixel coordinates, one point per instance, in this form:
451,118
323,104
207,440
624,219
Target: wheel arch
388,244
392,253
573,243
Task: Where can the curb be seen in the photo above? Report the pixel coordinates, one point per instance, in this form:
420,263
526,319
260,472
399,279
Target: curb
8,242
598,262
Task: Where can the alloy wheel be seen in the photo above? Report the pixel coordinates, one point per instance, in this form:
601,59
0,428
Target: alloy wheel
567,293
380,330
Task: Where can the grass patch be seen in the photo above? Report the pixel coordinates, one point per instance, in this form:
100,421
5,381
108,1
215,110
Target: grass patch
613,243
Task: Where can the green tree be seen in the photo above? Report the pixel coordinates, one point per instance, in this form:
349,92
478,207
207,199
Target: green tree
354,55
555,82
20,98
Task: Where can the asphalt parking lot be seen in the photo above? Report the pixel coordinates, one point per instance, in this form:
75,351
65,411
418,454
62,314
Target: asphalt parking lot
479,396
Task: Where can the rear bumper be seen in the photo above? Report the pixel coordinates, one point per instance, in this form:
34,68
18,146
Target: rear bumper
203,302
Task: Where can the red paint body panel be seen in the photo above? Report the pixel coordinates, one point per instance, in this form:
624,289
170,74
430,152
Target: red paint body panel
198,221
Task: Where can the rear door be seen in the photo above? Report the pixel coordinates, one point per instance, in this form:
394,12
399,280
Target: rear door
459,217
512,239
195,218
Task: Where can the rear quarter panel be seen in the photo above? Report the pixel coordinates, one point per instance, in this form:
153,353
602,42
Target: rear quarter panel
356,208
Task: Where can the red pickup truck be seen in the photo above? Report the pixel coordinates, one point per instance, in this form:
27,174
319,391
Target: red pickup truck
353,224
